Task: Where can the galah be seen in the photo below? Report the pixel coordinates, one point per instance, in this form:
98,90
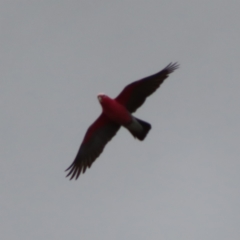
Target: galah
117,113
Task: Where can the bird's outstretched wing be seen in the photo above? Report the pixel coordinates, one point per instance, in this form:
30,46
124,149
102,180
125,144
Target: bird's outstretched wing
96,137
135,94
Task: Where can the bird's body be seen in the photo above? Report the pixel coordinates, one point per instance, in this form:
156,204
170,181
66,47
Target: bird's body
116,113
114,110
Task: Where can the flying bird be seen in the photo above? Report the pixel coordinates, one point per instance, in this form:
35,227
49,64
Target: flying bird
117,113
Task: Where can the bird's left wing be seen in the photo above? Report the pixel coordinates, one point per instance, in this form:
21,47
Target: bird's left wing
135,94
96,137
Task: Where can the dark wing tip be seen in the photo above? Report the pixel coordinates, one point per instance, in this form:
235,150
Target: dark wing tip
74,171
171,67
78,167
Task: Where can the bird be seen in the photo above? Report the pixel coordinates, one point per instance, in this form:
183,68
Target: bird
117,113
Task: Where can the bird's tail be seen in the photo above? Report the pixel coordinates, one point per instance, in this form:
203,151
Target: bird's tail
138,128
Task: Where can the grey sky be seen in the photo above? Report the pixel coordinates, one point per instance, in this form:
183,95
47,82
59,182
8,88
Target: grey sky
182,182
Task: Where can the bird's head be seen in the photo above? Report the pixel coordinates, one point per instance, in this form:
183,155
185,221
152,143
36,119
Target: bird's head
101,97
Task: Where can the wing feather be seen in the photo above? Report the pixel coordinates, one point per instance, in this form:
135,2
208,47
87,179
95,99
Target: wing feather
135,94
96,137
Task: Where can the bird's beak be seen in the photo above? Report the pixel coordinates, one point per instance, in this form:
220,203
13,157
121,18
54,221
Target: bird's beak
99,98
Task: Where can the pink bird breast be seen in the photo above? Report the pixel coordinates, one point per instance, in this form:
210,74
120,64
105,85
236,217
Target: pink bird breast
113,110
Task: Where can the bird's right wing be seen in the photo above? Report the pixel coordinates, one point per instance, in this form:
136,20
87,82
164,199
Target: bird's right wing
96,137
135,94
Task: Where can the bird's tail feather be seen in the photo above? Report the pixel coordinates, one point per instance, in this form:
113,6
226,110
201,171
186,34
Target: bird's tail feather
139,128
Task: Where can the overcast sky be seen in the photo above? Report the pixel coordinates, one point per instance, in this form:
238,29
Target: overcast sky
182,182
